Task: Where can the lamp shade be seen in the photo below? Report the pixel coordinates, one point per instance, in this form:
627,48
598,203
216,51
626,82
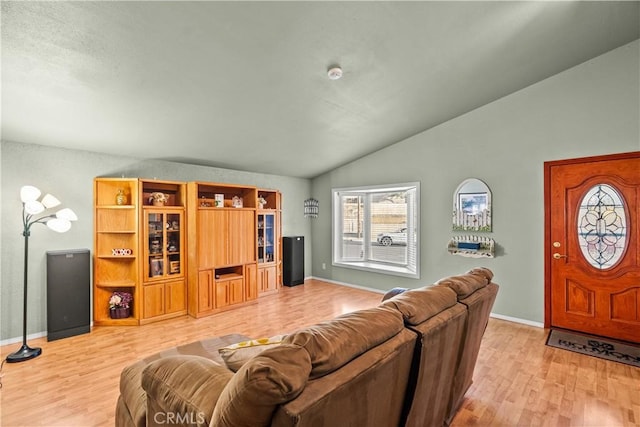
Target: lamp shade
67,214
33,207
59,224
29,193
50,201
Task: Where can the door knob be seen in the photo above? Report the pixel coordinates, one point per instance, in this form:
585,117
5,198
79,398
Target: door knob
558,256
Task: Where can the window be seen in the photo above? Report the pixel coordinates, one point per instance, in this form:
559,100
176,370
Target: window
377,228
602,226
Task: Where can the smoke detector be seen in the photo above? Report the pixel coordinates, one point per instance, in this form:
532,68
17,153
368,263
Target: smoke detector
334,73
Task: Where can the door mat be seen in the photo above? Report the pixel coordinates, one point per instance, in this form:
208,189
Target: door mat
604,348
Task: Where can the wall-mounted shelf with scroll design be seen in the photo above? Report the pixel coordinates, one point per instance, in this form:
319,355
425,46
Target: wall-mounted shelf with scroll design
311,208
472,246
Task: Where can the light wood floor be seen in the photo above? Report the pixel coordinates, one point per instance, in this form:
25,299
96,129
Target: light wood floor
518,381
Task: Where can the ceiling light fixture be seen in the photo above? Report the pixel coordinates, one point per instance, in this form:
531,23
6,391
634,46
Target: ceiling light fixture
334,73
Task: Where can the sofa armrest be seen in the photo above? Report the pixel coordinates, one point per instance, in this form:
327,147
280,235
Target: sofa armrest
183,390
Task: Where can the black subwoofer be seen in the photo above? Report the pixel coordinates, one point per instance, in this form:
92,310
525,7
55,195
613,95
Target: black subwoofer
293,260
68,293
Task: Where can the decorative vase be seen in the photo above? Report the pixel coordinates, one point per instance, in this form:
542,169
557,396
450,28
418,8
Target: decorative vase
121,198
119,312
158,203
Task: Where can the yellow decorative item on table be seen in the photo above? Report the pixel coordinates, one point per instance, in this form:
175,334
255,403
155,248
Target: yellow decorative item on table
235,355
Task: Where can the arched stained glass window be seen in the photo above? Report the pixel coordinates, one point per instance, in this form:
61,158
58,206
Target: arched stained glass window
602,226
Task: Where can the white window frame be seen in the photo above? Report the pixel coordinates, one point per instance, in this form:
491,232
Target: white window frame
412,268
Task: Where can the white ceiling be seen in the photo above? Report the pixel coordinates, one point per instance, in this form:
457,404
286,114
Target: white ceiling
243,85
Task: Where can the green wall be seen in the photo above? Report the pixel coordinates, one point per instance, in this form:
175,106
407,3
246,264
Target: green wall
68,174
591,109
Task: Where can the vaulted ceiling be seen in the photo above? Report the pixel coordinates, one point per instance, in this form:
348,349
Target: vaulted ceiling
243,85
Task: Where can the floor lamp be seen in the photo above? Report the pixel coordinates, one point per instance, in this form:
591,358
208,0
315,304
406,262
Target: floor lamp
36,212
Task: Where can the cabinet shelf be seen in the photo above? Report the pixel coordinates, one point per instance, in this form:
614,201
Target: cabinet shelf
173,191
472,246
115,207
127,257
164,208
159,255
221,196
117,284
213,208
228,276
127,321
116,229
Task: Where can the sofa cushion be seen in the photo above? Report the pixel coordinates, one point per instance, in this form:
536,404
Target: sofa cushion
185,385
123,416
133,396
418,305
134,399
466,284
275,376
333,343
236,355
369,391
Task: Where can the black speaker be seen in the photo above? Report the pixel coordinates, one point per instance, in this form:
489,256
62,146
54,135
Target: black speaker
68,293
293,260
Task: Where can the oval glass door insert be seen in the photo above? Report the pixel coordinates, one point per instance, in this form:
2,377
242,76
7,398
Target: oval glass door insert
602,226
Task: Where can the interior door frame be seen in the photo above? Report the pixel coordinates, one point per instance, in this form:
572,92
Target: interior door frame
547,217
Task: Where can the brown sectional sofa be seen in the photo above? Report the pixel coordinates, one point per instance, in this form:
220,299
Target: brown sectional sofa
440,335
478,299
408,361
131,408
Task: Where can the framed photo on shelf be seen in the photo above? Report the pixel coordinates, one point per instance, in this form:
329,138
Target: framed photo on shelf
155,267
174,267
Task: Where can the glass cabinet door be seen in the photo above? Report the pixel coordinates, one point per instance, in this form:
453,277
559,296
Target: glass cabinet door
155,244
266,238
173,244
163,244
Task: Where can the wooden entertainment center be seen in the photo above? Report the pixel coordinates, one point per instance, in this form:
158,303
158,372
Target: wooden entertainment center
178,248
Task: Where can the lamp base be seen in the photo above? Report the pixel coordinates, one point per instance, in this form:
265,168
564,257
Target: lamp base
25,353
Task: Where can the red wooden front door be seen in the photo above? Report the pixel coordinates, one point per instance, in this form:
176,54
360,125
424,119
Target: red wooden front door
592,254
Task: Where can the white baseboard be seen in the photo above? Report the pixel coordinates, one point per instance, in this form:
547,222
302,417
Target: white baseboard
518,320
19,339
32,336
495,315
349,285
